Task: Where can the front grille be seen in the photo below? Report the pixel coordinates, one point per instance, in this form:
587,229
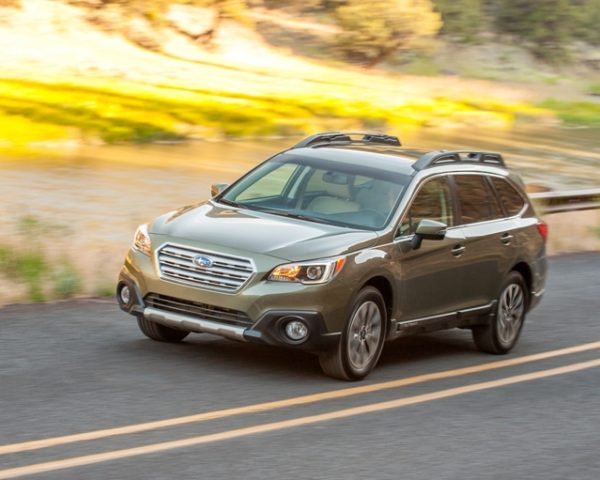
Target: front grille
224,273
195,309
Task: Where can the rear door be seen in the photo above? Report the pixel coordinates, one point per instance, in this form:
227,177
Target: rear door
490,242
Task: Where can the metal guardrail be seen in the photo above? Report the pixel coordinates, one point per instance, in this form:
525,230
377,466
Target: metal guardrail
568,200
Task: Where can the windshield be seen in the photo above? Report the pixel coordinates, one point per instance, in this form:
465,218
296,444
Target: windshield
319,190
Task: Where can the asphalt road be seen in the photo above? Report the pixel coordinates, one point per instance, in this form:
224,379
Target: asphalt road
83,367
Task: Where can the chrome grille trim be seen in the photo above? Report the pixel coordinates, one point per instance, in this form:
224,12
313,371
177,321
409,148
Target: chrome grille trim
226,274
198,325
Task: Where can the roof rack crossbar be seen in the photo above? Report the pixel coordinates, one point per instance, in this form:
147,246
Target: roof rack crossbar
442,157
324,138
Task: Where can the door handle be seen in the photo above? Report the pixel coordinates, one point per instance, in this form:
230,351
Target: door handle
458,250
506,238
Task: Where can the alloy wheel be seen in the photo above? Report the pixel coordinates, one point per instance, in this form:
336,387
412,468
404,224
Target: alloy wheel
364,335
511,311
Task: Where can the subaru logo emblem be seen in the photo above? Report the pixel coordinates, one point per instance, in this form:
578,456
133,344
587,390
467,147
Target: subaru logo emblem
203,261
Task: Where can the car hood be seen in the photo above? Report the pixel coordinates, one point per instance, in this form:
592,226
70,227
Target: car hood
251,231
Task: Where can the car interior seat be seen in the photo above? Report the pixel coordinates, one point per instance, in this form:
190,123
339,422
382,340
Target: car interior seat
337,199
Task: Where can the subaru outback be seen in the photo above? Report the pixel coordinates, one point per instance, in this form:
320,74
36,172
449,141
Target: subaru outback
339,244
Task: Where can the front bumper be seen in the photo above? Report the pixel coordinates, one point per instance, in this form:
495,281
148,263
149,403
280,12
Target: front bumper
268,330
268,311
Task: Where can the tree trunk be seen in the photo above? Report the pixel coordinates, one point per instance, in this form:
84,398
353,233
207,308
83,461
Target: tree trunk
382,54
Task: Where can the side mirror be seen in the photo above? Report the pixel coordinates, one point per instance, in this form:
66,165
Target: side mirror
428,230
217,188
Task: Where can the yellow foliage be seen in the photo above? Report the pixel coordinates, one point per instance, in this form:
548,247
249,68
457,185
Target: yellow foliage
377,28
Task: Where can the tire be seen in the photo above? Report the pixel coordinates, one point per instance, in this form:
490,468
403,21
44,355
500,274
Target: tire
362,339
159,332
504,329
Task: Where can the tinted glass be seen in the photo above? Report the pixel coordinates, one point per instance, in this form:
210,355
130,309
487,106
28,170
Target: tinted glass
433,201
322,191
509,197
477,202
272,184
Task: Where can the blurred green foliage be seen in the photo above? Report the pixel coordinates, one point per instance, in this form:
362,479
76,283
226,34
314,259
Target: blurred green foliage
26,262
66,279
105,290
462,19
545,24
586,20
374,30
594,89
547,27
575,113
26,266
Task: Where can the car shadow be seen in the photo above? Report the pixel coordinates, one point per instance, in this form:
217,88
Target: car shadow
234,358
442,345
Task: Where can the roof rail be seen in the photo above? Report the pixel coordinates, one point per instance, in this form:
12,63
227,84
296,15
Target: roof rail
346,137
443,157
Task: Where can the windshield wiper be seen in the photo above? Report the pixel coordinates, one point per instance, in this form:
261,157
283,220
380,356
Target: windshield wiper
228,202
282,213
298,216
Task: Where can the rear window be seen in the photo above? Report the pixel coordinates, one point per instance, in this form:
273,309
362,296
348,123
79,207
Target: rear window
510,198
477,202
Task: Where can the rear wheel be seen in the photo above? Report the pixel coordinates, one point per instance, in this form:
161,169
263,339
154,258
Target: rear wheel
502,333
159,332
362,339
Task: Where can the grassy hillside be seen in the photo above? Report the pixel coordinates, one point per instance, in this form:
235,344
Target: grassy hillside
72,82
113,110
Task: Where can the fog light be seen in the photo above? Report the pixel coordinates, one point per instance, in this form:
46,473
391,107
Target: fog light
125,294
296,330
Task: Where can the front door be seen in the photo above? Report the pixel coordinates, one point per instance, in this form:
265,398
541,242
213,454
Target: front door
430,278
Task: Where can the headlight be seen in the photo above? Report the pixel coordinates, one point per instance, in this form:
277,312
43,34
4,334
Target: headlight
141,240
316,271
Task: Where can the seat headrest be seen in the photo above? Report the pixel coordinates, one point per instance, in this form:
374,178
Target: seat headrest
336,190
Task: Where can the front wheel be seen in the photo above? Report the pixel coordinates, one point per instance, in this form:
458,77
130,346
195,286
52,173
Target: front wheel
362,340
159,332
502,333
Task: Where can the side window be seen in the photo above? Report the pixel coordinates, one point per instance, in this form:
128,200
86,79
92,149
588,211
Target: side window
433,201
477,202
271,185
511,200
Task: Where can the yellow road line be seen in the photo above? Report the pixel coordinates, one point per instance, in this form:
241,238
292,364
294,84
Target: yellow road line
295,422
288,402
